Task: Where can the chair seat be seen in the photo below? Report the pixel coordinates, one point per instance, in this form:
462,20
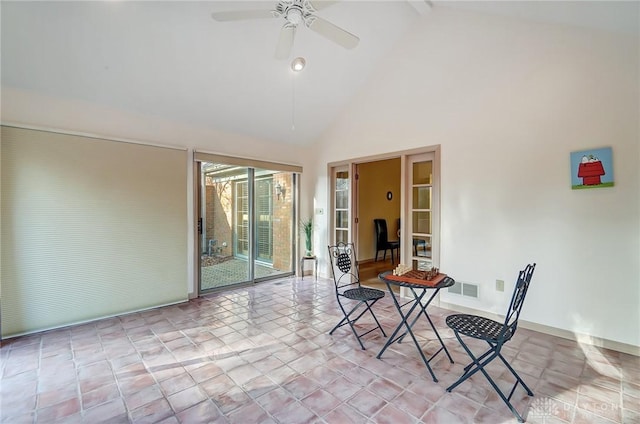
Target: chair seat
363,293
478,327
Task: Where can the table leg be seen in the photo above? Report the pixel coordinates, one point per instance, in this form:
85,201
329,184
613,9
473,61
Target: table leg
393,338
409,327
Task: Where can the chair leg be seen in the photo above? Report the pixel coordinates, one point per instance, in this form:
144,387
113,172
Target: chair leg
478,364
351,322
515,374
374,317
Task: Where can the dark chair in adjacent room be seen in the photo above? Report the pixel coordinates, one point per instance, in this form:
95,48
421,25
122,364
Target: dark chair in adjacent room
350,294
382,240
496,334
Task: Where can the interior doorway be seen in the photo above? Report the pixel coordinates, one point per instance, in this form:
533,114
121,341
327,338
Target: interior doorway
377,196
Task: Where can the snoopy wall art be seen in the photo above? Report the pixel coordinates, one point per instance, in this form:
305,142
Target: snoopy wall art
592,168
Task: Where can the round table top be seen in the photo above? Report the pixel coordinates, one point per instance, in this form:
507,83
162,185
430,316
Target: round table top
415,282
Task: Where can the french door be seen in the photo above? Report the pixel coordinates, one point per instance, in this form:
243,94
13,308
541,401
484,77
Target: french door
341,190
422,207
245,224
419,181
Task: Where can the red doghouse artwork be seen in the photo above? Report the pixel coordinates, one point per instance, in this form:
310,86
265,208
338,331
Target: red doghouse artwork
592,168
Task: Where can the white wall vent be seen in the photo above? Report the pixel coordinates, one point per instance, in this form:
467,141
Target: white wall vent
464,289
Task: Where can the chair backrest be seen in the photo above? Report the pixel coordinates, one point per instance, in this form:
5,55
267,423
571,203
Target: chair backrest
517,299
344,265
382,235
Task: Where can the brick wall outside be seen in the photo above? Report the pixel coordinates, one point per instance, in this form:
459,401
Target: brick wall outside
219,216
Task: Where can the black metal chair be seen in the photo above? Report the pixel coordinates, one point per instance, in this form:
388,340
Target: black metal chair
344,269
382,240
496,334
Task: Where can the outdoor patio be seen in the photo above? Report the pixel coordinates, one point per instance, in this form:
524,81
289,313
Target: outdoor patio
230,271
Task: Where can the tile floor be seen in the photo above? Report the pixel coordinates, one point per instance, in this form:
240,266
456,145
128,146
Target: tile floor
262,355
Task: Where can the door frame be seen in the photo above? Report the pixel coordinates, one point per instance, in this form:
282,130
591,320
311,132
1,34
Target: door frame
405,185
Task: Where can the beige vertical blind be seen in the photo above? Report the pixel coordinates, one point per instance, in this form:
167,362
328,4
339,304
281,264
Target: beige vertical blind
90,228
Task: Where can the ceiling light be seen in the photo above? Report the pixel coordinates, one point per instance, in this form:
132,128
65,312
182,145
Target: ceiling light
294,15
298,64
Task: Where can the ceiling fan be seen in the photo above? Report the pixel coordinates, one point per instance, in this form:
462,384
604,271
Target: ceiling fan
295,12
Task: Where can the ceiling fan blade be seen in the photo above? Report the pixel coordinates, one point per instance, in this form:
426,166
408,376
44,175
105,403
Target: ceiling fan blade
285,41
334,33
421,6
323,4
239,15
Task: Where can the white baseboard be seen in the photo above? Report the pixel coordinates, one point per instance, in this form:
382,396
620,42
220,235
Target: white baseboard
553,331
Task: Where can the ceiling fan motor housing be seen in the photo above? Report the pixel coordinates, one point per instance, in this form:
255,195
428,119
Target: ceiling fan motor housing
296,11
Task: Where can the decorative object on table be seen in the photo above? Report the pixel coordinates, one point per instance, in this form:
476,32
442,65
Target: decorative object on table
406,270
349,292
306,225
496,334
401,269
592,168
431,273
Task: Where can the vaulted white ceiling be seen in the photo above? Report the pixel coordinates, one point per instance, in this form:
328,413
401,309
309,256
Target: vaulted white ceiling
171,60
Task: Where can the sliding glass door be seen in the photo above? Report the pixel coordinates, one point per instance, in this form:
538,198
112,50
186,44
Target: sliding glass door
245,224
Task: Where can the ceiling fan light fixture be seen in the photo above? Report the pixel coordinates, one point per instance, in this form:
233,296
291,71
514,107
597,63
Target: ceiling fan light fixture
298,64
294,15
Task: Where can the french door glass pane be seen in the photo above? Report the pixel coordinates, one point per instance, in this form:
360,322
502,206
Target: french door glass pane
341,208
422,246
342,219
423,172
422,197
342,199
422,222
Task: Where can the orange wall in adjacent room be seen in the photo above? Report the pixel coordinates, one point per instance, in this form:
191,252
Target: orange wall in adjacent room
375,180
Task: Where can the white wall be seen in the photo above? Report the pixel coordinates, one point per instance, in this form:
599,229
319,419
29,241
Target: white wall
35,109
508,100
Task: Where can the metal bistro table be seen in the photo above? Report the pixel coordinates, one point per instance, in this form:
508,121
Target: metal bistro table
418,289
